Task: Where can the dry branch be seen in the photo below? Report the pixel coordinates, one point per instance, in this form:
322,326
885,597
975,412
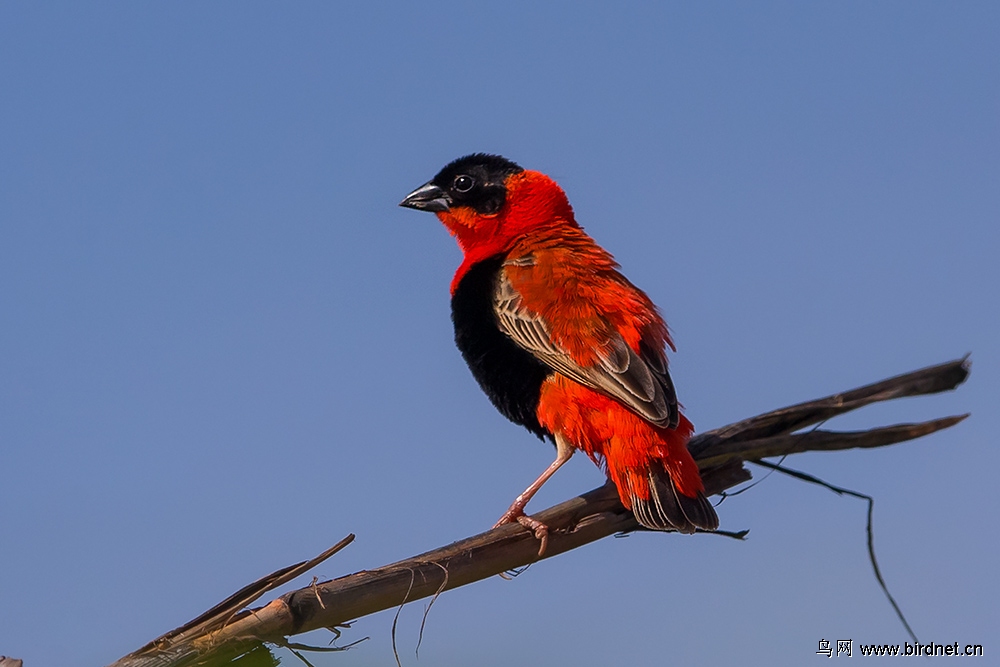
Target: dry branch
229,629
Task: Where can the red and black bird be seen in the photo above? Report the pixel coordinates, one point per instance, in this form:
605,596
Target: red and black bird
561,342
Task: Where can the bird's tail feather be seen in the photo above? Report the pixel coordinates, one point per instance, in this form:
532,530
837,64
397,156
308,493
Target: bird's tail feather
665,508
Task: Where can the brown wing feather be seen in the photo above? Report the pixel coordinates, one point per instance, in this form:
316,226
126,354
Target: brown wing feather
639,381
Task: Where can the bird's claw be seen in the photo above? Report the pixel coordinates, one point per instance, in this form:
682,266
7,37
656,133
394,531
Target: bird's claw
540,530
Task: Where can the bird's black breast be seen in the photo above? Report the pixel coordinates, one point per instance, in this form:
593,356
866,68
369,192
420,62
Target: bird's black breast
511,377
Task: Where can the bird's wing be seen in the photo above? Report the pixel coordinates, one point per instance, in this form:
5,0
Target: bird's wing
639,380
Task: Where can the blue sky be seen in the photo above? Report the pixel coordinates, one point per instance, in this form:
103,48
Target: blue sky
223,347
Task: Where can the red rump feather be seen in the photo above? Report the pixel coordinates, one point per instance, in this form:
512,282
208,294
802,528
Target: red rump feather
626,444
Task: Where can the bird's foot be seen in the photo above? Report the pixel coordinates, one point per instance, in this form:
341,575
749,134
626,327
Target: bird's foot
540,530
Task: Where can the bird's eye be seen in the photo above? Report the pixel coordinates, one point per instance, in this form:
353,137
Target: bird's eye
464,183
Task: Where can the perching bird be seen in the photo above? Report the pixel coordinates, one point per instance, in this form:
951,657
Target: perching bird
561,342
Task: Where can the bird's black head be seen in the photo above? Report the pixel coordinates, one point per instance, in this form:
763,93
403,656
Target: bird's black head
477,181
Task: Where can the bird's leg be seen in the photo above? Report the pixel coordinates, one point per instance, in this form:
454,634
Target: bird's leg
563,453
564,450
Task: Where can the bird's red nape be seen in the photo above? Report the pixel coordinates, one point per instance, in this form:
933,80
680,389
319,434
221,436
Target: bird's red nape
562,342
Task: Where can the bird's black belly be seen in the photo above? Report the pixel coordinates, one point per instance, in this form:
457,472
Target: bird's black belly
511,377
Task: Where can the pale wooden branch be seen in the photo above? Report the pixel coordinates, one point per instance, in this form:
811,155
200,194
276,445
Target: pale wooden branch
229,629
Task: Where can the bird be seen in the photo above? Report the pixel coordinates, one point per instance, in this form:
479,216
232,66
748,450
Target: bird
562,343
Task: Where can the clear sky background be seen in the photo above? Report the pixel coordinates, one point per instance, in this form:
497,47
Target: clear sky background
223,347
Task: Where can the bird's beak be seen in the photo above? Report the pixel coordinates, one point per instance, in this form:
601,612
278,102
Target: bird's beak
428,197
